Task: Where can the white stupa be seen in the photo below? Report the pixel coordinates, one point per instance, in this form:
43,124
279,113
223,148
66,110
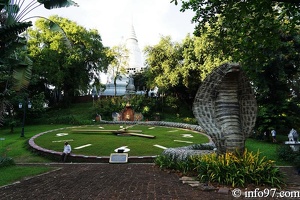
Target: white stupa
135,65
120,88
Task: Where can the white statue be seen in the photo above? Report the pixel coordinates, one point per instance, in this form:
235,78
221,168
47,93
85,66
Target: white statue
293,136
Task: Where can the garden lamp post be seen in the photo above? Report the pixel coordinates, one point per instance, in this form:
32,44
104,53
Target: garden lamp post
29,105
94,93
100,92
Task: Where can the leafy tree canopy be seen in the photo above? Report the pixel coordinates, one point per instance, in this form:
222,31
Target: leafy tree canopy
118,57
179,67
15,66
68,59
263,36
238,12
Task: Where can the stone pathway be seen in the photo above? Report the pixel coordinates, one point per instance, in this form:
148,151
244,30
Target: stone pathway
111,181
103,181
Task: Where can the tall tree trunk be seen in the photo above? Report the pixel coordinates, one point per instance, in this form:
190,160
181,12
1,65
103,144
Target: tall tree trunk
115,84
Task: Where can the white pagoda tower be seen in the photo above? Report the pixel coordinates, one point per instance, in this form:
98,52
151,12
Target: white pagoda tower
135,63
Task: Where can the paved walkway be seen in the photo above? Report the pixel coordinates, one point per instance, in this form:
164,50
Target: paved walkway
102,181
107,181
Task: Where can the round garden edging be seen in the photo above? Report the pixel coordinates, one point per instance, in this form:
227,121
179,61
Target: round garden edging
105,159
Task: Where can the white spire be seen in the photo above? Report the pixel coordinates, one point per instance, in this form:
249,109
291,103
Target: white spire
132,34
135,63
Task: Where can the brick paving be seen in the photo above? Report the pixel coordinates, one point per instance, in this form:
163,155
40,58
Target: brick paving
106,181
103,181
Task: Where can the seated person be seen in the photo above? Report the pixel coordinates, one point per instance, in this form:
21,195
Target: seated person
66,152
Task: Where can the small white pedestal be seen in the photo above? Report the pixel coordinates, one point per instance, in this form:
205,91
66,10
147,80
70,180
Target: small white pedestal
294,145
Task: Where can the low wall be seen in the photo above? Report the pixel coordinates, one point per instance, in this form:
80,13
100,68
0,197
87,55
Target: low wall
105,159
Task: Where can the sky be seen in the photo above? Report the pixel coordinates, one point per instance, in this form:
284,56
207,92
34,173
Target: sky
113,18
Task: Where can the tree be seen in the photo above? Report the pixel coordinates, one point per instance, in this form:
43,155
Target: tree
238,12
12,23
276,86
69,67
118,56
263,36
15,67
179,67
163,61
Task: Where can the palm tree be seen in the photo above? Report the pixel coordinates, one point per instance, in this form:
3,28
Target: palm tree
15,66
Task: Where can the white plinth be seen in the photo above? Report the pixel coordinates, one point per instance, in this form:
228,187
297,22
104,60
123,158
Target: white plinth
294,145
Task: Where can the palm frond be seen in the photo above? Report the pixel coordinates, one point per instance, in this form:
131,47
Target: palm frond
3,3
12,31
50,4
21,76
55,27
9,49
27,9
22,68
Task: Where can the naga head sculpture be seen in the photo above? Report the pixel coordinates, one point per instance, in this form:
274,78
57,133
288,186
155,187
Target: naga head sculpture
225,107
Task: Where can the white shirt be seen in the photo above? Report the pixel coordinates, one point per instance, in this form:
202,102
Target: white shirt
273,133
67,148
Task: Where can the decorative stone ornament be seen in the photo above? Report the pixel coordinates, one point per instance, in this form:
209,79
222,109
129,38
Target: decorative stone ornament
225,107
128,113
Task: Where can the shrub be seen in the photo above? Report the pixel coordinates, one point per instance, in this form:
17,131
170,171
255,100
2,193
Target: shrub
286,153
64,119
238,169
230,169
169,162
189,120
105,107
165,162
175,161
5,161
139,103
297,162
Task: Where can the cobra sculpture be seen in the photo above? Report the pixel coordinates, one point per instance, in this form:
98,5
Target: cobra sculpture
225,107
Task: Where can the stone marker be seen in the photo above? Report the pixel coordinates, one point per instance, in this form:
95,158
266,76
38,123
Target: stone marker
118,158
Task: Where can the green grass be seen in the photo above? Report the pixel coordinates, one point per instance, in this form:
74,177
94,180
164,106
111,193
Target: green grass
266,149
104,143
16,147
79,113
84,113
15,173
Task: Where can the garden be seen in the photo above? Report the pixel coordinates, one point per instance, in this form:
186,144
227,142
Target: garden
58,61
260,154
104,139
